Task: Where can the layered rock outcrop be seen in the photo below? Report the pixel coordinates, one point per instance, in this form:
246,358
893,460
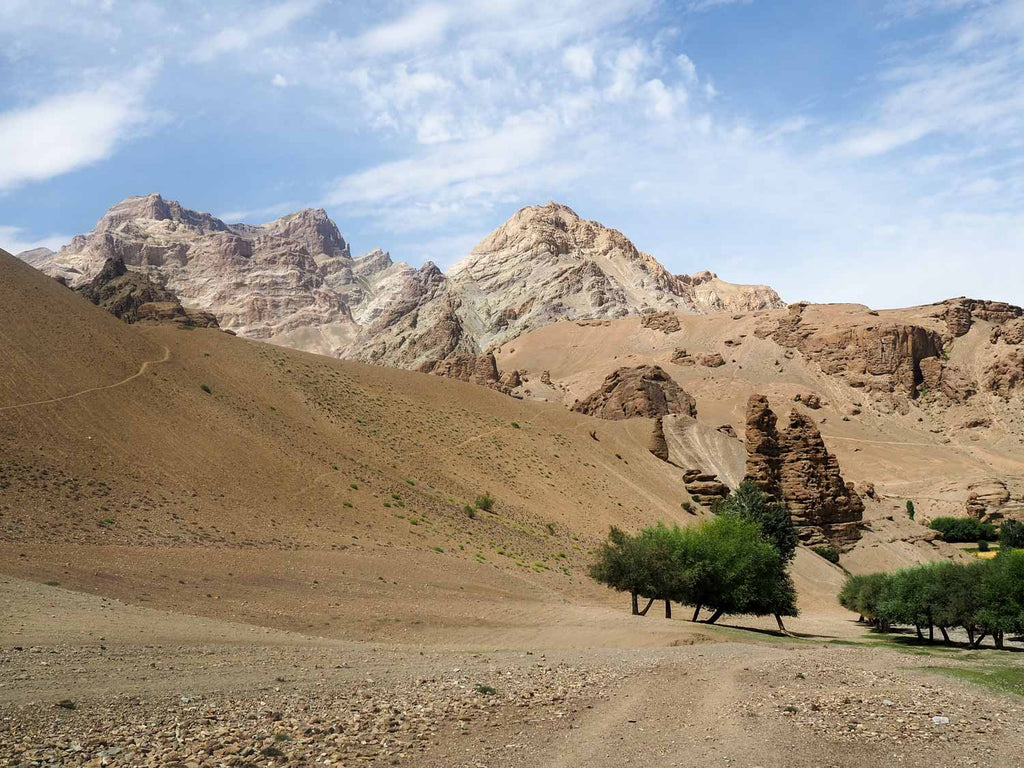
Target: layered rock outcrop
704,487
794,466
476,369
959,314
644,391
991,502
879,356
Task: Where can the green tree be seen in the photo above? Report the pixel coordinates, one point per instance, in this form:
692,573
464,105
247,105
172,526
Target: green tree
910,509
777,596
1011,535
963,529
1001,599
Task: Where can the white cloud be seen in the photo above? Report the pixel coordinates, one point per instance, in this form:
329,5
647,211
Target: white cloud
269,21
662,100
687,67
421,27
479,165
71,130
625,68
279,80
579,59
14,240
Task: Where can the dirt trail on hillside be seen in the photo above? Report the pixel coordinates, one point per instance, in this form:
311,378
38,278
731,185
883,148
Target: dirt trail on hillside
142,369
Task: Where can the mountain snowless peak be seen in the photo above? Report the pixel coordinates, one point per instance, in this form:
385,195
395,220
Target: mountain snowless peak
293,281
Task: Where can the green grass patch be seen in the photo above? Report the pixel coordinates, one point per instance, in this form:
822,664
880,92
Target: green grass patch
1004,678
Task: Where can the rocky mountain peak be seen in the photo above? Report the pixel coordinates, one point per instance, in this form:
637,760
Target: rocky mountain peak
314,229
153,207
294,280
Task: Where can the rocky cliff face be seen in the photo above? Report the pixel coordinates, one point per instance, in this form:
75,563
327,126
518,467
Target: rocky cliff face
645,391
293,281
794,466
476,369
547,264
134,298
259,281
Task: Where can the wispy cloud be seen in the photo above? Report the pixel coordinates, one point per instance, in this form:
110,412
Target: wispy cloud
70,130
421,27
14,240
270,20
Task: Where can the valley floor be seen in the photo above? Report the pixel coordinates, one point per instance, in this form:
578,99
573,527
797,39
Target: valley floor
594,687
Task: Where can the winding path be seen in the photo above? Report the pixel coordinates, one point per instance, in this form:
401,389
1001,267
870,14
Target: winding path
142,369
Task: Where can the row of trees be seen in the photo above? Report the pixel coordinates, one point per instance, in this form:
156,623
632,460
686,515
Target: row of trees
985,598
964,529
736,562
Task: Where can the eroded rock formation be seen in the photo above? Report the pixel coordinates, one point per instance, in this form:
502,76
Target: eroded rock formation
1004,377
704,487
794,466
666,322
657,444
991,502
476,369
959,314
644,391
134,298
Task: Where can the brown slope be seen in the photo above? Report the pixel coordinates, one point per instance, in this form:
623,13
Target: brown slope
150,488
54,343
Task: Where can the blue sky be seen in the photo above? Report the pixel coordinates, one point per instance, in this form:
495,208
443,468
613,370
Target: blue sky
855,151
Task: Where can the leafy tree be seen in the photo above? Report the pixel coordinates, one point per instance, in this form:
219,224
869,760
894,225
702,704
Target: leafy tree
984,597
1001,603
723,564
827,551
619,565
776,527
963,529
863,594
1011,535
728,567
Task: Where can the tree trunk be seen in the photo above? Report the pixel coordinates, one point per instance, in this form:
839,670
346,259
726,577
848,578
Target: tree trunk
998,639
668,609
970,636
919,635
782,627
714,617
977,643
696,612
931,633
945,635
636,606
647,607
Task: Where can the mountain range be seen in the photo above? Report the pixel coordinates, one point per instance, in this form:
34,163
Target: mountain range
294,281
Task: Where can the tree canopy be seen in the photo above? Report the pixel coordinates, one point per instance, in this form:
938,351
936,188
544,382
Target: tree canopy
985,598
735,562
